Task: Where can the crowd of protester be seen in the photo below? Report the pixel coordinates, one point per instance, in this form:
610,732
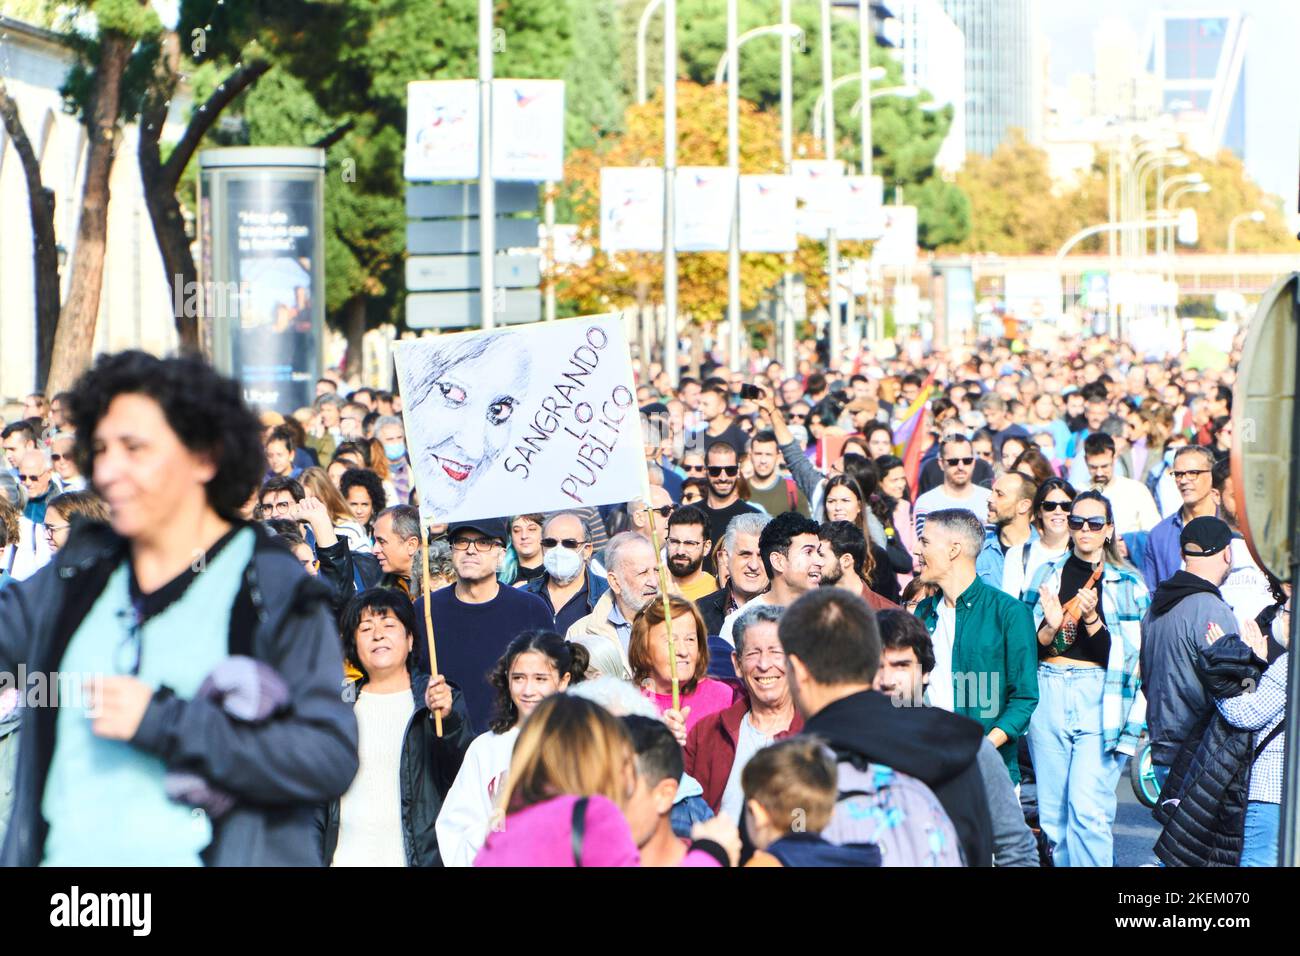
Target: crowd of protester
923,610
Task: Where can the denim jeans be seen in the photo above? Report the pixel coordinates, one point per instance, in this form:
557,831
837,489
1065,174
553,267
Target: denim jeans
1262,821
1076,775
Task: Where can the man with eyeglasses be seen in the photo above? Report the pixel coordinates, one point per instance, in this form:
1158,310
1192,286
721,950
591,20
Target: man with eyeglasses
1193,473
39,483
686,546
477,618
638,513
65,464
567,585
722,470
957,462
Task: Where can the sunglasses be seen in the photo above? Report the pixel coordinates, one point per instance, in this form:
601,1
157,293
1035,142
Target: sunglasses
959,461
57,457
1056,506
690,468
1093,524
663,511
796,417
730,471
573,544
29,477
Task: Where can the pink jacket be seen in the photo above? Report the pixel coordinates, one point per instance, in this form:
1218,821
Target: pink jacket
541,835
709,697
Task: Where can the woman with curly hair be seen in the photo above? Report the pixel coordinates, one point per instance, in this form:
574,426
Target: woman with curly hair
365,497
154,602
534,666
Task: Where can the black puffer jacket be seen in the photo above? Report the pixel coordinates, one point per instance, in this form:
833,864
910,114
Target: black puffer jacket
1203,804
428,768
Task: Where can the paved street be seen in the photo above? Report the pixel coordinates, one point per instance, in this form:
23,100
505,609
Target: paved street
1135,831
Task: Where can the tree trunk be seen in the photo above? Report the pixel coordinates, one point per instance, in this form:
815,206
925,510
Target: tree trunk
45,258
355,319
74,341
160,179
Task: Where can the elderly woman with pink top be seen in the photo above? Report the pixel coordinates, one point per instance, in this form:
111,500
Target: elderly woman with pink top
647,654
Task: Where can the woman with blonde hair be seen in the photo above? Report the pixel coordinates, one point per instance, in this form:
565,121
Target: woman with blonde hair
316,482
572,778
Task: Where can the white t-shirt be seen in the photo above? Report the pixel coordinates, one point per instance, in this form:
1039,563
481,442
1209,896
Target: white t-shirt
1246,590
724,632
751,742
1132,505
466,815
1017,572
370,813
937,499
945,635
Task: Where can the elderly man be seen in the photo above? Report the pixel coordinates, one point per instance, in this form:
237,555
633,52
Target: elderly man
65,463
719,746
567,585
633,583
638,514
397,546
746,576
985,648
475,621
39,482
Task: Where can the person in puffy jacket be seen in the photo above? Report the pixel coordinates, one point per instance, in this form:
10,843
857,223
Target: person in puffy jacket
571,777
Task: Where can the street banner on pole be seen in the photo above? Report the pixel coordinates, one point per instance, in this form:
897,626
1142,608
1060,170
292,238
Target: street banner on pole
442,129
529,419
817,191
703,207
897,244
632,209
528,130
767,214
859,211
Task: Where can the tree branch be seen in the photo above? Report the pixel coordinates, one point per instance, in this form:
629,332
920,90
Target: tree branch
205,116
332,137
14,125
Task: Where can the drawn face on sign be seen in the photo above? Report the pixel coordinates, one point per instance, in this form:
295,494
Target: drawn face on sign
462,410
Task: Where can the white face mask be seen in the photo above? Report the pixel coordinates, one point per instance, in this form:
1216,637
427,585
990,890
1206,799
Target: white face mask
562,564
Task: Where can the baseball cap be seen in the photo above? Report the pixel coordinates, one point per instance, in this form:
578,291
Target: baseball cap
1204,536
488,527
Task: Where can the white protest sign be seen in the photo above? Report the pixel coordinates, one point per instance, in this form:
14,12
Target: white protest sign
518,420
815,183
859,212
528,130
704,201
441,129
767,213
632,209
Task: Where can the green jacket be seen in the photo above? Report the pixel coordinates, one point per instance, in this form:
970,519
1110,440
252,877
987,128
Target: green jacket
994,662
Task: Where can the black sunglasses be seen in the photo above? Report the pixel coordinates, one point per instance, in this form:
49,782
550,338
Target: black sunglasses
1056,506
728,470
573,544
960,461
663,511
692,467
1094,524
57,457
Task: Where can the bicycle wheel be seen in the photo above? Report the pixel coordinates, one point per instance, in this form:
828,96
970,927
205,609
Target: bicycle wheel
1142,775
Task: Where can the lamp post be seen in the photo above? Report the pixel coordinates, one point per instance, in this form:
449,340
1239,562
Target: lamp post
1256,216
1196,186
642,25
1172,158
787,158
1161,206
832,244
671,364
774,29
487,210
819,105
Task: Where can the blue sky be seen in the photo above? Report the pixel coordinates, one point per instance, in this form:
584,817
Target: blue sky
1272,108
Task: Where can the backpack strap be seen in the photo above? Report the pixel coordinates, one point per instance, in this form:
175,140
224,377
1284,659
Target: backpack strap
578,829
1272,735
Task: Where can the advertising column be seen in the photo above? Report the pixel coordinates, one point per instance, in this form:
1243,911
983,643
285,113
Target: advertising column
261,212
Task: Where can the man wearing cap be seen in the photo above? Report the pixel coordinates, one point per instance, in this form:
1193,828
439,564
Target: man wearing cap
1173,633
476,619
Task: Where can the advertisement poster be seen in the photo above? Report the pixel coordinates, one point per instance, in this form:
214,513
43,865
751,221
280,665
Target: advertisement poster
271,234
859,210
542,417
767,214
441,130
632,209
704,204
815,184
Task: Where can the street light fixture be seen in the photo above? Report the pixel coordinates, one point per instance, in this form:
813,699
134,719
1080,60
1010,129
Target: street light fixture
642,25
792,30
1255,216
818,110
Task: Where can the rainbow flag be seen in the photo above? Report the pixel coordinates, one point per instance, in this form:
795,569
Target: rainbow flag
913,416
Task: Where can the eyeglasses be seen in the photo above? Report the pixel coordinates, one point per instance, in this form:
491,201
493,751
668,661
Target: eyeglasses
58,457
573,544
1055,506
1093,524
959,461
29,477
279,507
796,417
728,470
986,455
1191,473
663,511
52,529
484,544
678,543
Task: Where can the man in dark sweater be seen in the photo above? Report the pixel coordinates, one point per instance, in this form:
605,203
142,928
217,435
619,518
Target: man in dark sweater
475,620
